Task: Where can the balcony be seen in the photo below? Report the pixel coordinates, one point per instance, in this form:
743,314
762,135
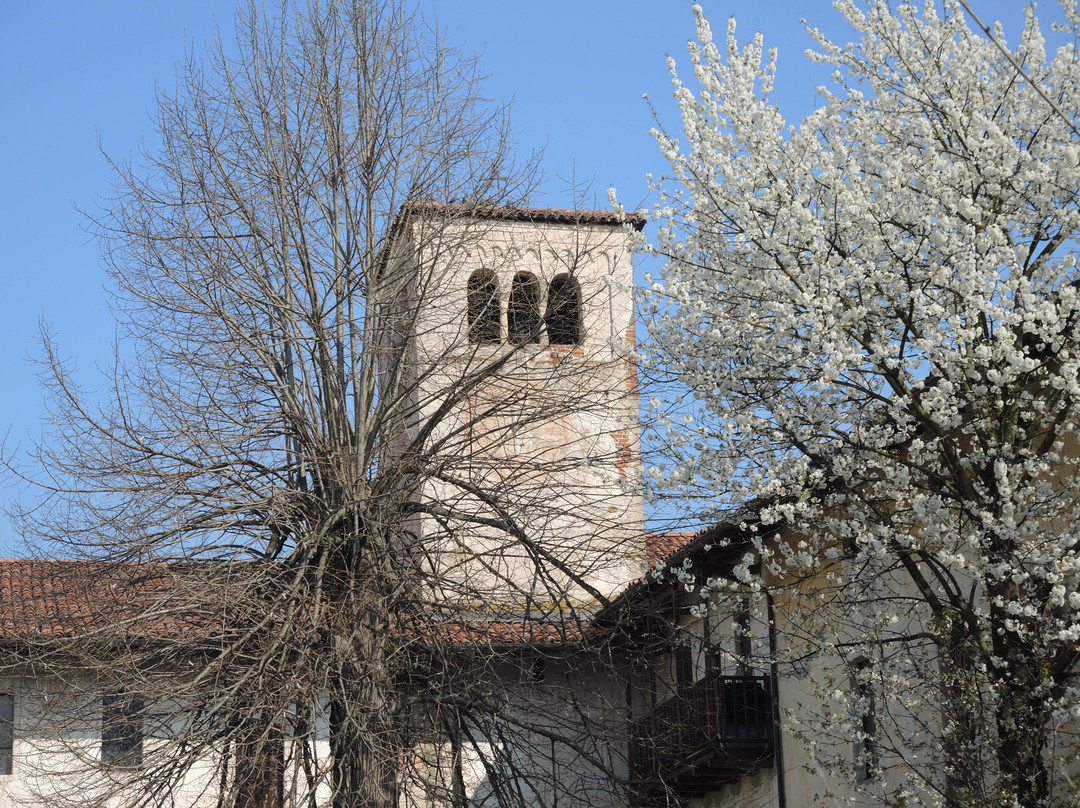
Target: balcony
707,735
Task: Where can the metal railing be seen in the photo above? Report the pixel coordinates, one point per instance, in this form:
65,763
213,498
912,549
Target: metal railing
725,723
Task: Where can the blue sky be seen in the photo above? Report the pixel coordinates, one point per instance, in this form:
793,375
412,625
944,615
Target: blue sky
76,73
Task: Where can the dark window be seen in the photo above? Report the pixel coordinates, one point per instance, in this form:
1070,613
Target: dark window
523,312
538,669
7,732
744,638
483,294
684,665
121,731
563,314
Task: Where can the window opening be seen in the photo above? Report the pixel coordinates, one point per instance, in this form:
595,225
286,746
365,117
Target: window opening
684,665
523,312
121,731
708,647
744,645
483,307
563,314
7,733
538,669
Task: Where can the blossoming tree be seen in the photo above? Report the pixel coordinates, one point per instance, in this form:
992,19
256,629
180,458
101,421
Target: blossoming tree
877,311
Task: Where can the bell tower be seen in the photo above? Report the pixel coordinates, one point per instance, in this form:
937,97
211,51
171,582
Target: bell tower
513,332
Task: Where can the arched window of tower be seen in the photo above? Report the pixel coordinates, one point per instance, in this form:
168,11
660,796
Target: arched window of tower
523,312
563,315
483,305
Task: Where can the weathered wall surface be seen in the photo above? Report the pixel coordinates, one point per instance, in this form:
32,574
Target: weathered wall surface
541,435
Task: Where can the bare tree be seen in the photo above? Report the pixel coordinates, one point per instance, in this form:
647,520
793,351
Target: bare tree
351,505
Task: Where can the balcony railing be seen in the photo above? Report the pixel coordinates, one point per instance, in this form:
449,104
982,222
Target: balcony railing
706,735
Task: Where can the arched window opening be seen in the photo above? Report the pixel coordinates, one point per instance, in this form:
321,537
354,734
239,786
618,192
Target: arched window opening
563,313
523,313
483,294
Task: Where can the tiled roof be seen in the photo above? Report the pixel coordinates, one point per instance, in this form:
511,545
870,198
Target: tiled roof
659,546
50,600
54,599
521,214
568,629
715,549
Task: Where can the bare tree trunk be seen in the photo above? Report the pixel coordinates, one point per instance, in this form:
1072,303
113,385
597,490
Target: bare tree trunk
364,739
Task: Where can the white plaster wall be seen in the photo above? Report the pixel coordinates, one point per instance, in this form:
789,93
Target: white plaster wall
757,790
556,739
57,751
57,754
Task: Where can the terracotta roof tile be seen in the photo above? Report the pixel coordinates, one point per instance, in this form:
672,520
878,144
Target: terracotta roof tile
57,598
504,632
659,546
49,600
521,214
54,599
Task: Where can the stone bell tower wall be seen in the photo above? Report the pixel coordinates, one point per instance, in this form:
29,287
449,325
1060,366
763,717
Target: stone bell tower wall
515,329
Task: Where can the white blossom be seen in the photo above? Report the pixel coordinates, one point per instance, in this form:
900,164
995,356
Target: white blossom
877,311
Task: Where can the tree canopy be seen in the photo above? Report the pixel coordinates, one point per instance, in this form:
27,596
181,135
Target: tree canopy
877,312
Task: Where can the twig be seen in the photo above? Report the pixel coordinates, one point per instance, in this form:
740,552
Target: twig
1016,66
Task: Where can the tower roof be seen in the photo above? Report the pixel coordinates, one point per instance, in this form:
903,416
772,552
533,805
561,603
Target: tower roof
513,213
